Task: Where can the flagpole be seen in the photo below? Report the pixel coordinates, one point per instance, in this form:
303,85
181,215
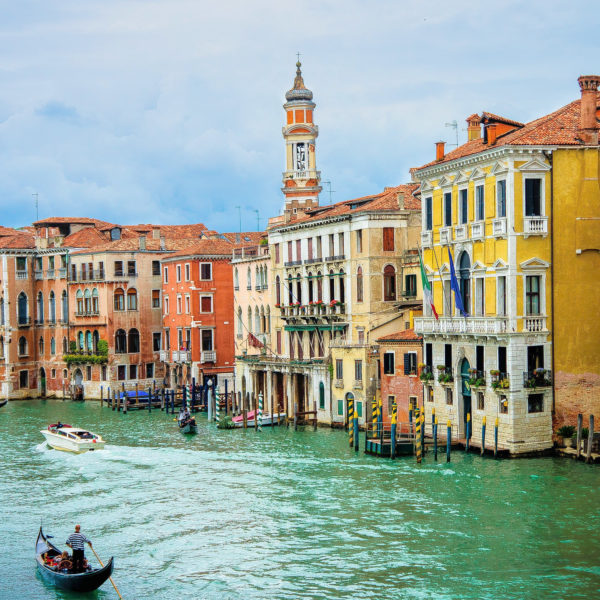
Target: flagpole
447,310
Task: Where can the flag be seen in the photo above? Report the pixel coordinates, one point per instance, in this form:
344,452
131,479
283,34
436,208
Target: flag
427,288
254,341
458,301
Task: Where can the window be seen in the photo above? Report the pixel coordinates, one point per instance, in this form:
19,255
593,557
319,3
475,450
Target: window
464,273
278,344
118,268
298,250
103,372
388,363
502,359
119,300
410,285
167,339
206,304
115,233
53,373
341,243
166,274
64,306
533,197
290,256
133,341
359,240
449,398
207,340
391,400
501,290
535,403
79,299
480,401
501,198
87,298
321,396
156,267
429,213
331,244
88,373
132,299
479,358
340,408
479,203
179,306
95,302
52,308
320,247
359,285
155,298
156,341
532,294
166,303
178,273
463,206
410,363
479,296
131,270
358,370
503,405
389,283
22,309
22,346
120,341
121,372
388,239
187,304
448,209
52,346
277,256
40,307
339,368
149,370
187,272
236,279
206,271
361,335
23,379
133,372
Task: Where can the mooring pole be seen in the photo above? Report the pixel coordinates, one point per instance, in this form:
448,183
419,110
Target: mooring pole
351,422
435,439
418,435
468,431
496,438
393,433
588,455
483,435
448,440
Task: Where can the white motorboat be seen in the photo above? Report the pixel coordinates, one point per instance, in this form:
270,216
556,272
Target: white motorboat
267,420
72,439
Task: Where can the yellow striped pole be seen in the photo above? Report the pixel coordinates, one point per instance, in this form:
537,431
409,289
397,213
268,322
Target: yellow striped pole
418,423
351,422
374,416
394,423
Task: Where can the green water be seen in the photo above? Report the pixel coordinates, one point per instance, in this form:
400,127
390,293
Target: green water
284,514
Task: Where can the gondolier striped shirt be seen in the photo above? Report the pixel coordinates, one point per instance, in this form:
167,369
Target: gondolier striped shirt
77,541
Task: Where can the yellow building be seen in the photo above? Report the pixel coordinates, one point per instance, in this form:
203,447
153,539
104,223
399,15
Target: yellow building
502,204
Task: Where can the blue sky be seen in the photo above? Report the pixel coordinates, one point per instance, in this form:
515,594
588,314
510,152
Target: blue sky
170,111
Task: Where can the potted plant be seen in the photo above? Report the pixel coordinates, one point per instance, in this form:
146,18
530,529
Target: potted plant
566,432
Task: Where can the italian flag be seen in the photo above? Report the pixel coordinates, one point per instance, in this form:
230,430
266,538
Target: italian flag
427,295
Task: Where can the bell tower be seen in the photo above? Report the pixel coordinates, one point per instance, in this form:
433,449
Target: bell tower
300,179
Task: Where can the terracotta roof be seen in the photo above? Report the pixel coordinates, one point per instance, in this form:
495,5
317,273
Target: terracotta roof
72,220
85,238
407,335
491,117
133,245
193,230
8,231
20,240
560,128
205,248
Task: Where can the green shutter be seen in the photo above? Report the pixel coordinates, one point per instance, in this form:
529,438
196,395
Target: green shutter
359,409
340,408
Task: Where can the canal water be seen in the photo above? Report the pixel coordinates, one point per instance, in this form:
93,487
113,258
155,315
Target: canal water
283,514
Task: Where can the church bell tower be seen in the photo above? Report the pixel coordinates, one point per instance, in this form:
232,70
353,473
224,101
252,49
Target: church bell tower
301,180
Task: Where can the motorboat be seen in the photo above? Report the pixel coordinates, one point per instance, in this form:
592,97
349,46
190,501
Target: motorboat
72,439
267,419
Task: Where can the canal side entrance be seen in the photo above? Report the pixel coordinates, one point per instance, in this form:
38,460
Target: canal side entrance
466,392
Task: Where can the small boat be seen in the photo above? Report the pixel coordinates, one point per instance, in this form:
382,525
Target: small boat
187,423
267,419
72,439
3,403
89,580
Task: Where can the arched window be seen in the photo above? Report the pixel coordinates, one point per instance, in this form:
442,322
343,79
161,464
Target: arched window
52,346
240,326
359,285
80,341
321,395
41,346
299,289
265,282
132,299
249,319
389,283
95,302
52,308
236,279
310,287
65,345
64,306
290,291
1,347
89,346
95,339
263,324
120,342
133,341
268,330
342,287
40,307
22,346
119,299
277,291
249,280
319,287
87,305
23,309
464,281
331,286
79,297
257,278
256,320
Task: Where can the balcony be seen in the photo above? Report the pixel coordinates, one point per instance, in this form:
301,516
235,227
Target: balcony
476,378
292,263
336,257
312,261
458,325
22,274
163,355
38,274
445,376
445,235
499,226
338,383
312,310
477,230
62,273
538,378
426,238
180,356
208,356
50,273
535,225
409,294
500,381
87,313
460,232
534,324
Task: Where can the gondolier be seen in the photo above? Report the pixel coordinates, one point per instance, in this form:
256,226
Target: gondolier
76,542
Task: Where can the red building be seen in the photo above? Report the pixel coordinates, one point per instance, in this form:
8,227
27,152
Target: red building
400,355
198,313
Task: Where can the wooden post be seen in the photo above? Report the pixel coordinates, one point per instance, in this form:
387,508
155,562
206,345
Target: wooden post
483,435
124,402
137,399
435,439
496,438
63,390
149,400
468,431
226,397
101,396
273,408
350,422
579,427
113,400
590,440
162,399
295,416
245,415
448,440
255,410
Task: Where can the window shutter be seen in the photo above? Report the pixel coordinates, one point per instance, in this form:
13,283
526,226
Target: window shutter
407,364
388,238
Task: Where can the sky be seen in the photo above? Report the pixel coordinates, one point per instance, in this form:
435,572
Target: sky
171,111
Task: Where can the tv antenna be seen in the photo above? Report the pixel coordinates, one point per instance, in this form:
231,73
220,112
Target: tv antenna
37,206
328,183
454,126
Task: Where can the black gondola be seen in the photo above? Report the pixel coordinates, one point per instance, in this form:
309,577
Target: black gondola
3,402
75,582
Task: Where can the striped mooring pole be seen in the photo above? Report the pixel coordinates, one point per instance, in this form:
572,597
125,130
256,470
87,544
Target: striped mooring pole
423,430
217,407
355,426
418,448
435,426
374,410
351,422
468,431
260,411
483,435
448,440
394,425
496,438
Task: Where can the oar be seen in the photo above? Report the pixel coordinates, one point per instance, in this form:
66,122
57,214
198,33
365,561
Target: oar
111,579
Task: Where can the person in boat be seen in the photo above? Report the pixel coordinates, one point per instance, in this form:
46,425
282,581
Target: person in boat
76,542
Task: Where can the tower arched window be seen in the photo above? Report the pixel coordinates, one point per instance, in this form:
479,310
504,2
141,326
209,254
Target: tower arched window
389,283
342,286
52,346
79,298
133,341
22,346
132,299
120,341
52,308
40,307
64,306
87,301
119,298
277,291
464,282
359,284
95,302
41,346
310,287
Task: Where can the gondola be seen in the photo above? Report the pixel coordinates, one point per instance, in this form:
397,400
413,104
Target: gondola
75,582
3,403
186,423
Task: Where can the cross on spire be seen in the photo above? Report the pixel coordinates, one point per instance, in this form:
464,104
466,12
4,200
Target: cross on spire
298,54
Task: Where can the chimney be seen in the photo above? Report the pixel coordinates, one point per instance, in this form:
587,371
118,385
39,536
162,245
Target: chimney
287,215
142,242
413,174
473,127
439,150
588,124
491,134
162,242
156,233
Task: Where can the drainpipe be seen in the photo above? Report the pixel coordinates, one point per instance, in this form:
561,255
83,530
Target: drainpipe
549,156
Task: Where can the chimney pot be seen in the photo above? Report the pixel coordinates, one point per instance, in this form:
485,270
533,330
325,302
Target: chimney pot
162,242
588,123
491,134
439,150
473,127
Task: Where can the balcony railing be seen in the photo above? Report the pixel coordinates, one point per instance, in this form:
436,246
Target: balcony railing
535,225
460,232
22,274
472,325
292,263
163,355
308,174
477,230
335,257
534,324
476,378
537,378
312,261
409,293
62,273
445,375
38,274
87,313
313,310
426,238
50,273
24,321
499,226
181,356
500,381
208,356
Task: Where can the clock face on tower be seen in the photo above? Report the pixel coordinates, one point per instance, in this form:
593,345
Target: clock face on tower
301,162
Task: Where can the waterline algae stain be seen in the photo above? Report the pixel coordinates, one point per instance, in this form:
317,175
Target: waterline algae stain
236,514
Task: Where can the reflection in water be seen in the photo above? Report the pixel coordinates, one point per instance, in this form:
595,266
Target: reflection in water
284,514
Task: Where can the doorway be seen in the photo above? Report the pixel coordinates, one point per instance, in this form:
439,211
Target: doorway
466,390
42,382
